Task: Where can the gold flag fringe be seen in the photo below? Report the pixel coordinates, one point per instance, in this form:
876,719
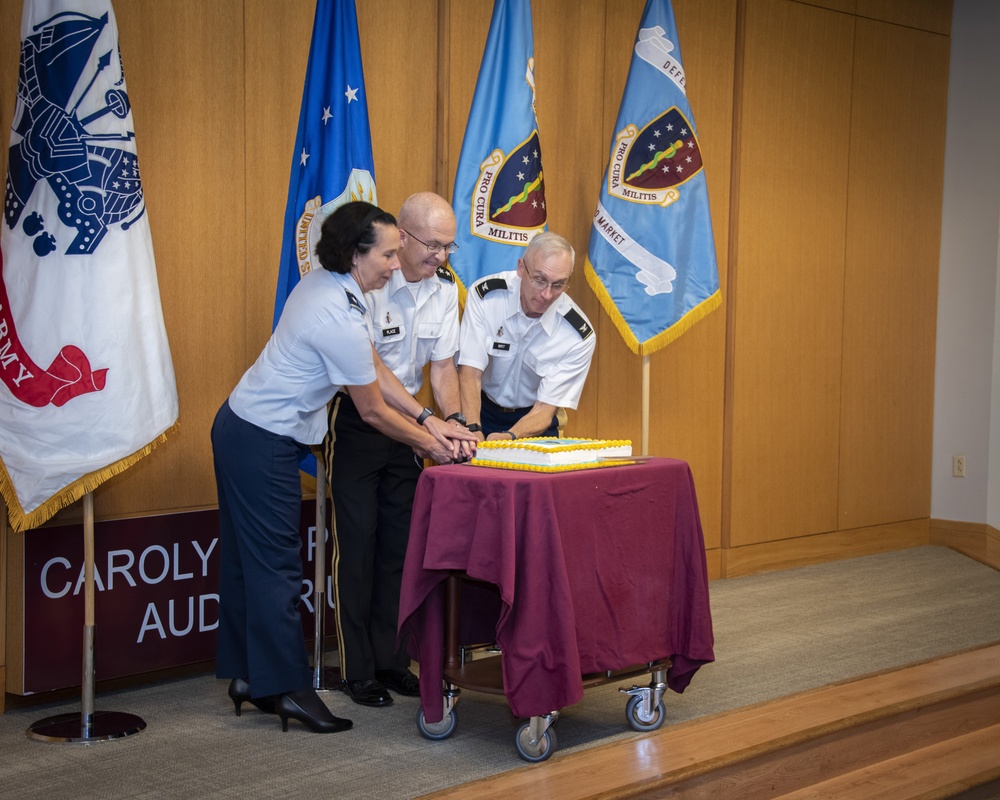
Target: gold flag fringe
462,291
21,521
663,338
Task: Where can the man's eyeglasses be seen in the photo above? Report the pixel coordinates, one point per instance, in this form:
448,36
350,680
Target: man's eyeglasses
433,247
541,284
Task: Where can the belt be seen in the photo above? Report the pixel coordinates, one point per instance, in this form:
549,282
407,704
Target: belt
497,407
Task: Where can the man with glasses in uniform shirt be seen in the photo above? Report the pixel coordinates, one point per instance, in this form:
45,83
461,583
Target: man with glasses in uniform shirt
526,347
413,321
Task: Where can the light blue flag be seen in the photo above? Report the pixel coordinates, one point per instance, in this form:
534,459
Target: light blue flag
651,259
332,163
499,196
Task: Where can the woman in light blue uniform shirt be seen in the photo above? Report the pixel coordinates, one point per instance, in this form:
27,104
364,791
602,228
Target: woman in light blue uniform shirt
277,410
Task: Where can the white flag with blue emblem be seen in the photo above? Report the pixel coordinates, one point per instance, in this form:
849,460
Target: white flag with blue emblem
87,381
651,260
332,163
499,196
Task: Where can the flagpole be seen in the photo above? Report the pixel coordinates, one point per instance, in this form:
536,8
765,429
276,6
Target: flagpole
88,726
319,580
645,405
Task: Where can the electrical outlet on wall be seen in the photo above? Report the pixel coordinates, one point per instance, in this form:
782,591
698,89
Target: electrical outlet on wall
958,466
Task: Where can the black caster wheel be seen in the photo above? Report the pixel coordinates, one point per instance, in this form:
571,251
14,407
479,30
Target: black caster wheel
638,719
540,750
437,730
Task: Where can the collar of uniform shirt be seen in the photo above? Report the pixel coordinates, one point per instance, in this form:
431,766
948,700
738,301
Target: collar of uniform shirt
428,285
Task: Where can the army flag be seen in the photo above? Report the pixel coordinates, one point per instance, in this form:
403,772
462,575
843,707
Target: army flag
87,380
332,163
651,259
499,195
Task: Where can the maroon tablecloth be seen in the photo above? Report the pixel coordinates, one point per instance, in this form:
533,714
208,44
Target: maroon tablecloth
598,569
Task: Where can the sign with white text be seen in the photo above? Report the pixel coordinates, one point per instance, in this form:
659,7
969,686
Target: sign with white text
156,582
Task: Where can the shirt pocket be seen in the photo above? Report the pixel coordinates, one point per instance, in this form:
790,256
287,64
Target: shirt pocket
429,330
535,364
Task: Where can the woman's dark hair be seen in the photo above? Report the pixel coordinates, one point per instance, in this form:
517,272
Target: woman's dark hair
349,229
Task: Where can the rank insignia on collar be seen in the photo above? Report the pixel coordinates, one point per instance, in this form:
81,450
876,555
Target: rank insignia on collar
574,318
484,287
354,302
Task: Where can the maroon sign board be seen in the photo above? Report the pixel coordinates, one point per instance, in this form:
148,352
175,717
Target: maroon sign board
156,582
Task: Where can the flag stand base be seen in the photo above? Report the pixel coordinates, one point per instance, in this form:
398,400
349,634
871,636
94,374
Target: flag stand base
87,726
71,728
329,681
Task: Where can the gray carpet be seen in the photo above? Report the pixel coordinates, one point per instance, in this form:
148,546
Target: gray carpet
776,634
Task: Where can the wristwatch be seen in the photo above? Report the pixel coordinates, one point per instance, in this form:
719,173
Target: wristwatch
475,427
458,416
427,412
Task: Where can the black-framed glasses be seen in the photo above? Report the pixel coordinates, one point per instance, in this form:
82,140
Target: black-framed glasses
541,284
433,247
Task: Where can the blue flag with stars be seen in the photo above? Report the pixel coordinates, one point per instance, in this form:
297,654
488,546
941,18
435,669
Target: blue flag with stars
332,163
651,260
499,196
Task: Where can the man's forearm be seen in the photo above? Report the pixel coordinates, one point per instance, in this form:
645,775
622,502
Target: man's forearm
470,381
444,385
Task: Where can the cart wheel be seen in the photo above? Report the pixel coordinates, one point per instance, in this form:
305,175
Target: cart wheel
540,750
638,720
437,730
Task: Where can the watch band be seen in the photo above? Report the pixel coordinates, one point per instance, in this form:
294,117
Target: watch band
458,416
475,427
511,434
427,412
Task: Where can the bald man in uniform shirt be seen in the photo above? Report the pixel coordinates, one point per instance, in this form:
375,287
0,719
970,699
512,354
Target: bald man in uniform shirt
413,321
526,347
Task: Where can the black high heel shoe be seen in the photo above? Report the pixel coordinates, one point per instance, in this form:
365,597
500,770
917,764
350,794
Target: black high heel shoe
239,693
305,706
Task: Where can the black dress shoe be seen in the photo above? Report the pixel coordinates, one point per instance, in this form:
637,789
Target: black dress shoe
239,693
305,706
401,681
368,692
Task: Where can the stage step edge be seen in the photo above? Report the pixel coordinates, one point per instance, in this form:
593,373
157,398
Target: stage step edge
772,749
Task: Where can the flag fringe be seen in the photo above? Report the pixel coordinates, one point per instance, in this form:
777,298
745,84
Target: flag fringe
21,521
663,338
462,291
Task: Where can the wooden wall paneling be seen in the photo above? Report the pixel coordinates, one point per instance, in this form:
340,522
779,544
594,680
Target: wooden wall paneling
615,380
824,547
928,15
183,66
847,6
10,574
468,25
10,53
569,79
790,255
401,79
688,376
275,74
893,241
